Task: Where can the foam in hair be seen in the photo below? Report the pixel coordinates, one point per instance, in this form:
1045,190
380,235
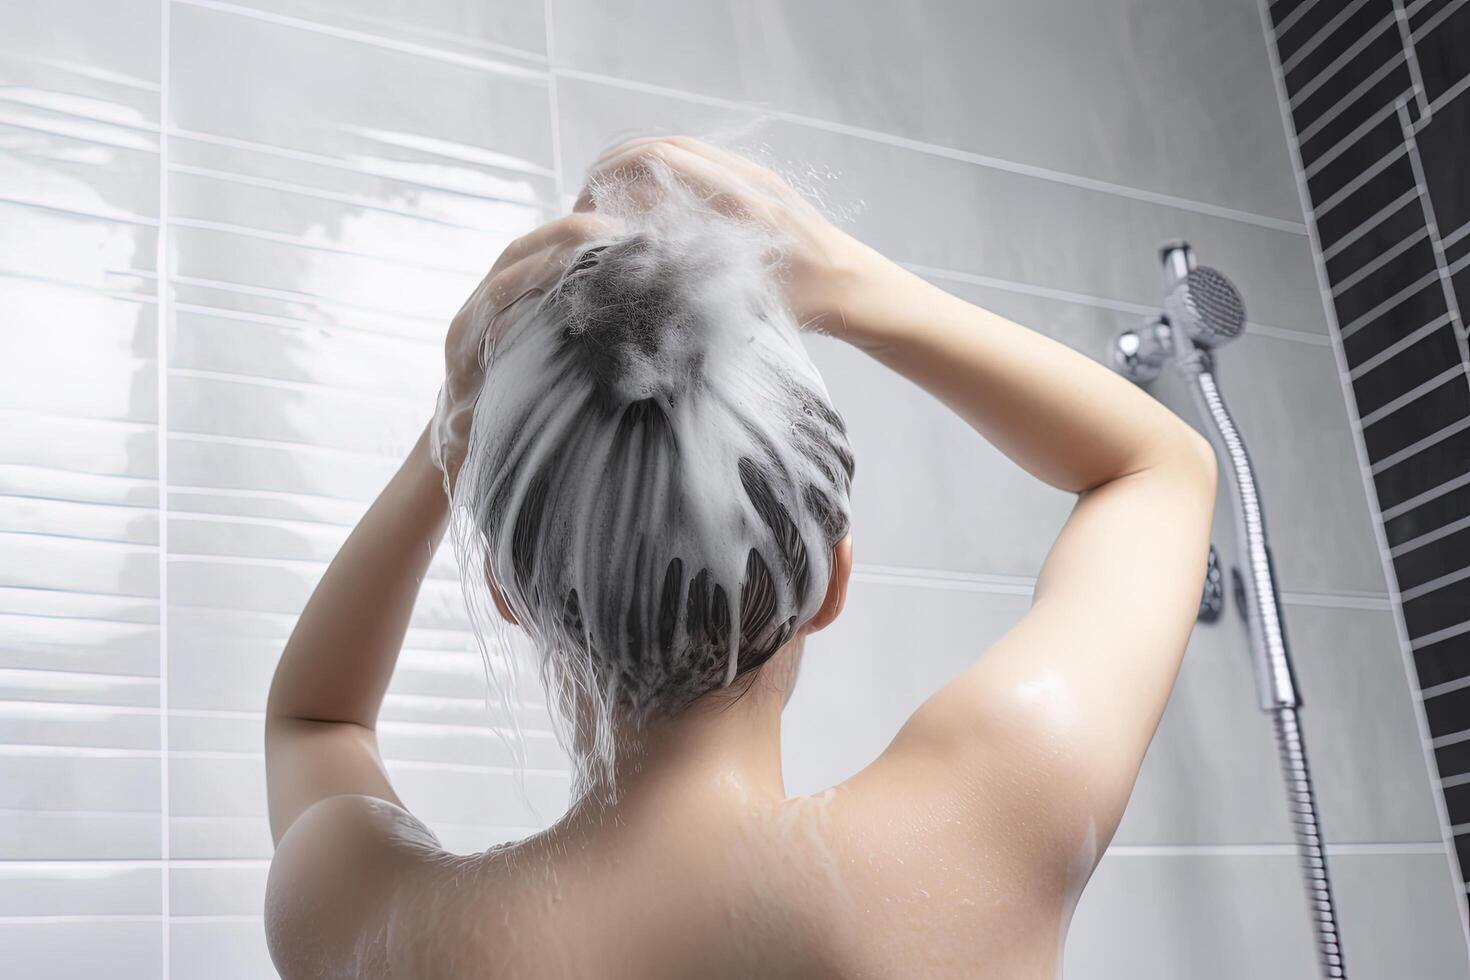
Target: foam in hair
655,476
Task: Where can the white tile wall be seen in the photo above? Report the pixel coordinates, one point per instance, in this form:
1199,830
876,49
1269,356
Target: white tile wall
328,179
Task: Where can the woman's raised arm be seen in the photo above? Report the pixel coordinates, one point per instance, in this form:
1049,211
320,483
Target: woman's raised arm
329,684
1063,707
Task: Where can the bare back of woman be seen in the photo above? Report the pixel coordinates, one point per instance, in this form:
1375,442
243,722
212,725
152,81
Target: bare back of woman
960,851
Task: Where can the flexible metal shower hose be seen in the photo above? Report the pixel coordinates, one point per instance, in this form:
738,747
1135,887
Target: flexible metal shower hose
1303,805
1274,683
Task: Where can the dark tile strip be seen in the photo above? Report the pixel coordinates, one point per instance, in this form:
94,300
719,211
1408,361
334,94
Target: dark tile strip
1378,95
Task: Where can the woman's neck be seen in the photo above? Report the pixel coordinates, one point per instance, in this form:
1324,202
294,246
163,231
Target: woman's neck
722,750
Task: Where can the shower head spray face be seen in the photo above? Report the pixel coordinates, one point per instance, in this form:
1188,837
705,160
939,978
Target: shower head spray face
1206,307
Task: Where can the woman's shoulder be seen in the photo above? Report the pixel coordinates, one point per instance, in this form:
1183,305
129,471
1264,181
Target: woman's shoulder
334,881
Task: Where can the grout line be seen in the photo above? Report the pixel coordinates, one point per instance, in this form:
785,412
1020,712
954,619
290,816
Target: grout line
402,725
1353,94
223,755
508,163
1370,223
1337,149
1456,235
385,458
336,197
121,217
1354,185
1337,64
92,540
1429,639
1450,94
1403,507
1388,305
1354,848
60,118
1373,265
1411,57
1413,394
1098,302
1448,687
161,267
1438,18
378,41
363,334
1441,264
81,287
1435,584
953,581
939,150
1311,43
288,384
1443,531
321,247
1272,850
1331,600
1453,738
1289,21
1418,446
1045,292
1398,346
431,323
1376,515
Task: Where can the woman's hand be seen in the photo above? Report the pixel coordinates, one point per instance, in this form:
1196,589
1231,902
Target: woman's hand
833,284
527,267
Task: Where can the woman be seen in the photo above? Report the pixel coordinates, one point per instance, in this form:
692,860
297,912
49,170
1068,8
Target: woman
961,850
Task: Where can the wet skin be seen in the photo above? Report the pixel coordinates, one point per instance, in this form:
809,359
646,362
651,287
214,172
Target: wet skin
960,851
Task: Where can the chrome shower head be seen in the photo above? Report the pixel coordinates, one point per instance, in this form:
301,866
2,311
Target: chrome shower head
1207,307
1200,303
1202,310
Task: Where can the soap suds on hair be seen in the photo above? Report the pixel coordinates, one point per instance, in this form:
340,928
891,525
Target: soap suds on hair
655,474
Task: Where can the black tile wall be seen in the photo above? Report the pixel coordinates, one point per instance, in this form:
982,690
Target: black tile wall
1445,147
1423,12
1444,58
1404,368
1378,96
1442,662
1454,759
1438,512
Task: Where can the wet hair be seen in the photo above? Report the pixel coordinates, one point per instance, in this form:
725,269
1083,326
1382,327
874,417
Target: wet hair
656,476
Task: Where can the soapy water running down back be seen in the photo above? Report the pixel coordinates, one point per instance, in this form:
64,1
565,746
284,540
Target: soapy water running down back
655,476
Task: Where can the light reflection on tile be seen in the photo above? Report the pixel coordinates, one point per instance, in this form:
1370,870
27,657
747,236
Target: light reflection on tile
336,101
94,60
1173,97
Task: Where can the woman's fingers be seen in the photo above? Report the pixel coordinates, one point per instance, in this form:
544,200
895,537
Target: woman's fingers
714,154
716,183
573,228
530,264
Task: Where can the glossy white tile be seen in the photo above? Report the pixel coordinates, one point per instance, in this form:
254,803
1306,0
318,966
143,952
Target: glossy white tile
128,950
443,25
951,214
379,109
1171,97
232,949
79,888
82,58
